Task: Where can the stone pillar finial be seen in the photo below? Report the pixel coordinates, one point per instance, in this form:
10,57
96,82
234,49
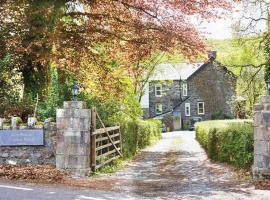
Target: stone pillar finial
14,123
2,120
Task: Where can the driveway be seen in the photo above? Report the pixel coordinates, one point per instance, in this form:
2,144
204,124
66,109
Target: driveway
174,168
177,168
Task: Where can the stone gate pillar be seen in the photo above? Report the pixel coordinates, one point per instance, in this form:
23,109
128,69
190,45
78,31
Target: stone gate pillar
73,138
261,167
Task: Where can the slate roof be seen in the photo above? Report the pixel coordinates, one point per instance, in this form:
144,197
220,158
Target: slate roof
168,71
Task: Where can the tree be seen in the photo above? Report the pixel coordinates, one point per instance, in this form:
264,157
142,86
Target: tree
9,84
25,34
248,67
254,23
107,44
48,109
72,32
101,33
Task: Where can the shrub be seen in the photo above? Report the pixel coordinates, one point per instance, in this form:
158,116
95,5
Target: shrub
40,123
19,120
220,115
137,134
228,141
22,109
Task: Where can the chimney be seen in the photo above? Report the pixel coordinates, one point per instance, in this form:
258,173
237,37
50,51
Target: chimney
212,55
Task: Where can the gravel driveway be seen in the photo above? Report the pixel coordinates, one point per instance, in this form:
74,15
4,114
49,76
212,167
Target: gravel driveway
177,168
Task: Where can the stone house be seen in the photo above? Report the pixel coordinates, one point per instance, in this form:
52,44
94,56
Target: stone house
187,90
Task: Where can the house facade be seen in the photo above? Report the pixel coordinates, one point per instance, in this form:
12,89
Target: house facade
185,90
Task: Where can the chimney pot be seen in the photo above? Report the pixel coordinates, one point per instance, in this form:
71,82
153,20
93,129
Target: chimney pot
212,55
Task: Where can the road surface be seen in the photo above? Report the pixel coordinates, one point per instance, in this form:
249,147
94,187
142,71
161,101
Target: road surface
174,168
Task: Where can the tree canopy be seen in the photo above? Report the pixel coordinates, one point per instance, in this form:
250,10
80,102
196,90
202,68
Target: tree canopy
104,44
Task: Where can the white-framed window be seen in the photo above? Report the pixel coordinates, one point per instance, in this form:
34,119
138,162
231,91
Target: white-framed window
158,90
187,109
200,106
184,89
158,108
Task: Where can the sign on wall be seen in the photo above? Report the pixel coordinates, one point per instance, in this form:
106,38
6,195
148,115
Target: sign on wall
33,137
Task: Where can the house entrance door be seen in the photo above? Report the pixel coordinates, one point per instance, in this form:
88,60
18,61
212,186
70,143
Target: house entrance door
177,123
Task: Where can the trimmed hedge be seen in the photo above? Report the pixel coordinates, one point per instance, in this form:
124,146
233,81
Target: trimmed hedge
229,141
138,134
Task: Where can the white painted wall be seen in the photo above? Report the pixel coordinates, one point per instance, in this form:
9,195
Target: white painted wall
145,97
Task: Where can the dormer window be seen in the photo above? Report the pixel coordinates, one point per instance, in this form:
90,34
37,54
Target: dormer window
184,89
158,90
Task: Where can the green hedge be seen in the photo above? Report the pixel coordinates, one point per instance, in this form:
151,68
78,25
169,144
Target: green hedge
137,134
228,141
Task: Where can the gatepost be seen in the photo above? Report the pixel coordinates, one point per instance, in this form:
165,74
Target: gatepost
73,138
261,167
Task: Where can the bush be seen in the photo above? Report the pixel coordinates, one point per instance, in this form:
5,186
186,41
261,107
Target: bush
228,141
137,134
220,115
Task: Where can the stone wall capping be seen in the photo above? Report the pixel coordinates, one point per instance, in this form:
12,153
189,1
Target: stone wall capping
74,104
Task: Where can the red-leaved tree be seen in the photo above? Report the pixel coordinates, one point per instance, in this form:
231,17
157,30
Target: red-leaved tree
102,40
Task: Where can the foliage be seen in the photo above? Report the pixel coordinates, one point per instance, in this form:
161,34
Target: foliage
105,45
114,110
26,27
19,120
252,36
243,58
228,141
186,126
98,41
219,115
10,80
137,134
49,108
267,52
22,108
168,121
113,167
40,123
256,24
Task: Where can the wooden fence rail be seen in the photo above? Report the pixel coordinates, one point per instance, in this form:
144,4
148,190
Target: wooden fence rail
106,143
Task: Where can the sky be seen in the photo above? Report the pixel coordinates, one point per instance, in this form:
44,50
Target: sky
220,29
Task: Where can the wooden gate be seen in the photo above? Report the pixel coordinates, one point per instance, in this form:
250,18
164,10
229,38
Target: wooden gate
106,144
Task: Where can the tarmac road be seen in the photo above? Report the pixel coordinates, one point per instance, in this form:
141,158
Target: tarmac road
21,191
176,167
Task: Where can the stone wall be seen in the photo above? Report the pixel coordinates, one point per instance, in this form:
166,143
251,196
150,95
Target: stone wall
261,167
34,155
